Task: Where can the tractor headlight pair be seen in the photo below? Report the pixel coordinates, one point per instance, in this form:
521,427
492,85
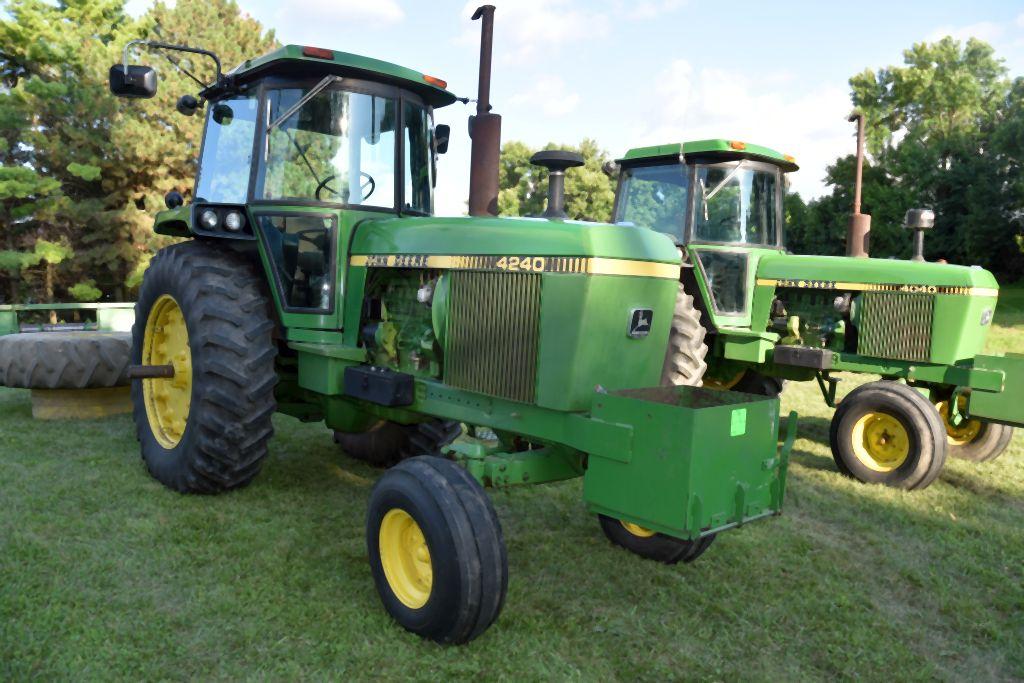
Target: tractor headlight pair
210,220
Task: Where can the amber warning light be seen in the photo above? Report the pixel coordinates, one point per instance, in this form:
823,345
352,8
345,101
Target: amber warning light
318,52
435,81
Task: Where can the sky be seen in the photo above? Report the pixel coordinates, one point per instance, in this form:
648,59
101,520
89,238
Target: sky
639,72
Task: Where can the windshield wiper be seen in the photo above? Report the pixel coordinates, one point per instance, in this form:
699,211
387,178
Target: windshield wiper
316,90
726,179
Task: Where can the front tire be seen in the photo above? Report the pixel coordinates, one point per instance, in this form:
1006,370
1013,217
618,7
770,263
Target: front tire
887,433
974,440
652,545
203,311
436,550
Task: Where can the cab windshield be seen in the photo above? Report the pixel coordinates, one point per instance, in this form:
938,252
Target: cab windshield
736,202
336,146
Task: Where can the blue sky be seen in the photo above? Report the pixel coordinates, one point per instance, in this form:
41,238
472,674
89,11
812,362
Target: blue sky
648,71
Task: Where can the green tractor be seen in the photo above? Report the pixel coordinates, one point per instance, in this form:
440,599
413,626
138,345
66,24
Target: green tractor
750,316
465,352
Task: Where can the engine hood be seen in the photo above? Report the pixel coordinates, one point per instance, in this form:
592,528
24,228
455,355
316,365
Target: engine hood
840,269
511,237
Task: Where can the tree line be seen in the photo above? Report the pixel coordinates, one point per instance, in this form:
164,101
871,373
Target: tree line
82,173
945,131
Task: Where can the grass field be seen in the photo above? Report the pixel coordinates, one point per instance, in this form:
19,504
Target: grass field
104,574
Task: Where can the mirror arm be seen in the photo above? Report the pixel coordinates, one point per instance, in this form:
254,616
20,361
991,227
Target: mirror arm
178,48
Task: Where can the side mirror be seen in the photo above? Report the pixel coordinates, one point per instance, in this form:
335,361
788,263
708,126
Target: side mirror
442,133
135,81
173,199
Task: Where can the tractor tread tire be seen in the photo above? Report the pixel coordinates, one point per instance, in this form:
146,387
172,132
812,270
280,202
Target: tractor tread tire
685,359
926,430
65,360
228,317
762,385
388,443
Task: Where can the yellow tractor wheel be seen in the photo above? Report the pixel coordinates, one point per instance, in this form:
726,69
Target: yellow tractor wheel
887,433
203,339
436,550
973,439
651,545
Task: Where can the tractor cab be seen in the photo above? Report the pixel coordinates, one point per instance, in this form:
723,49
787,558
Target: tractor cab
299,146
721,202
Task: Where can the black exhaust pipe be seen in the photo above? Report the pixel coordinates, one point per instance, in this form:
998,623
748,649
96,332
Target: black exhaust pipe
484,129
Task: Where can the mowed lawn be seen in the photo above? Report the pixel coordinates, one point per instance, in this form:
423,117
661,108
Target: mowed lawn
106,575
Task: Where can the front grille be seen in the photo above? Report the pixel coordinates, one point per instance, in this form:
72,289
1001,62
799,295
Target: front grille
493,329
895,325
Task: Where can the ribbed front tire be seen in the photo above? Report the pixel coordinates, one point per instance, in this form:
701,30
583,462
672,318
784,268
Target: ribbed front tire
436,550
204,310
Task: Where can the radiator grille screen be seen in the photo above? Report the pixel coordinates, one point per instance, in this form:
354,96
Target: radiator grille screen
896,325
493,330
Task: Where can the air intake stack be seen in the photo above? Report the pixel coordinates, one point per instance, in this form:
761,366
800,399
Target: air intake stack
556,161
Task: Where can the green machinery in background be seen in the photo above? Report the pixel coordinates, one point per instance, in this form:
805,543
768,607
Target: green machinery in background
752,316
317,283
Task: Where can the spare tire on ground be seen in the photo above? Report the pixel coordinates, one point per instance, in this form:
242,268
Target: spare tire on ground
71,374
65,360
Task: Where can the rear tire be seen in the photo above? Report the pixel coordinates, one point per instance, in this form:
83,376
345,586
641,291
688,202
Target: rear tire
685,362
436,550
203,309
652,545
387,443
887,433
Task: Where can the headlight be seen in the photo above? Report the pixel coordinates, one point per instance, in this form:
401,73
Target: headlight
234,221
209,220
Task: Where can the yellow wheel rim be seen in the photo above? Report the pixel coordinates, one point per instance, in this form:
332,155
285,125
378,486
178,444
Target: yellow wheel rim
167,400
966,432
723,384
405,558
880,441
637,530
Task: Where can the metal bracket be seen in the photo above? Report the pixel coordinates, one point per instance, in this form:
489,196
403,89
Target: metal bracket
829,392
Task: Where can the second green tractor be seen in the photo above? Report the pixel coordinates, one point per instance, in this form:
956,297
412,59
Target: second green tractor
750,316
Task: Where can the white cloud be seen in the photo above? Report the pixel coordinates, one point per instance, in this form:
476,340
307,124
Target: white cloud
697,104
550,93
1020,20
375,13
651,9
988,31
530,29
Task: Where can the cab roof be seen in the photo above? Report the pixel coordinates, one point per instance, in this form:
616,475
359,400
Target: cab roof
718,149
299,59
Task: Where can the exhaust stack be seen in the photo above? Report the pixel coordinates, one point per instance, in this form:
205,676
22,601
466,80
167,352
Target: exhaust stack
484,129
858,236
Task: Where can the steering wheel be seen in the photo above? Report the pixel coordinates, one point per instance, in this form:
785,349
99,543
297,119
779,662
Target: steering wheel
370,182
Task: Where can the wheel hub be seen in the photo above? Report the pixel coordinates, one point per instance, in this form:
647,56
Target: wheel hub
167,401
405,557
880,441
